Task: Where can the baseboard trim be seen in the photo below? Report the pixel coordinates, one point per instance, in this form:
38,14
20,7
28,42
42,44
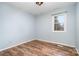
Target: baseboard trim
77,50
56,42
15,45
36,39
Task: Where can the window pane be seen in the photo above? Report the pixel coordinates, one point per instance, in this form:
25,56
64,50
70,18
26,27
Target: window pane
59,23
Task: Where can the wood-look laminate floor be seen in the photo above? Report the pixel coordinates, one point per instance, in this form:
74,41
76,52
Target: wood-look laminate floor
39,48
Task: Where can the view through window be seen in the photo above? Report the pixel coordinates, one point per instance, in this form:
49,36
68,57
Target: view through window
59,22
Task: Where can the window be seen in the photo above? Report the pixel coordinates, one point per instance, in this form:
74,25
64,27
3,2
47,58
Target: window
59,22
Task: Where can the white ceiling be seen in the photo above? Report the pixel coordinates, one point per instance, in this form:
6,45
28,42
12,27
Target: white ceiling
34,9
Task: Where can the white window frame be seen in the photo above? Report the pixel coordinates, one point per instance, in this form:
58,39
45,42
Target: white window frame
65,22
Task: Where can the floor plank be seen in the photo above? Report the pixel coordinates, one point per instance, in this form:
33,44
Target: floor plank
40,48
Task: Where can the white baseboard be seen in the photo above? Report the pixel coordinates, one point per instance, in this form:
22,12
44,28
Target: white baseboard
16,44
35,39
56,42
77,50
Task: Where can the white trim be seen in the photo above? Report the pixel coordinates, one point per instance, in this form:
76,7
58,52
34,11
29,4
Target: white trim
36,39
77,50
16,44
56,42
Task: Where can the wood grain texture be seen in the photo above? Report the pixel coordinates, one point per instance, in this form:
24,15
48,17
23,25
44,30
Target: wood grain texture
40,48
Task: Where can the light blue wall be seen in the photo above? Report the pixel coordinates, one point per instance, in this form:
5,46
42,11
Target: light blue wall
77,31
44,27
15,26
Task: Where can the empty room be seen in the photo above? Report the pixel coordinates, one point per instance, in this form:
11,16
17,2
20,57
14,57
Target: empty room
39,29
